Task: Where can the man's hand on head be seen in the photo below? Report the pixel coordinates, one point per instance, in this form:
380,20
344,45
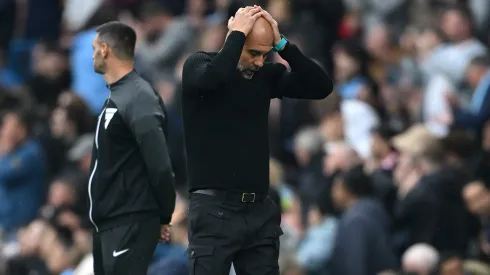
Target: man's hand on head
274,25
244,19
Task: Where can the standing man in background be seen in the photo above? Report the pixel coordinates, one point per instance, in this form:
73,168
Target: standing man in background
226,97
131,190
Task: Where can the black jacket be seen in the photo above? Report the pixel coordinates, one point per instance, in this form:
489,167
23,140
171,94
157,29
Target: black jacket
131,176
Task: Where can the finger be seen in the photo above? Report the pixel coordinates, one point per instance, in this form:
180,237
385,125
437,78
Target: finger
268,16
266,13
253,11
257,15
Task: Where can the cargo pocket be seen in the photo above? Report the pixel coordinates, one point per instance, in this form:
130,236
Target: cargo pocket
269,237
200,258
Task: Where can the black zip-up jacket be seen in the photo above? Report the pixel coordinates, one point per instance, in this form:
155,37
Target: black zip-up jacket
131,178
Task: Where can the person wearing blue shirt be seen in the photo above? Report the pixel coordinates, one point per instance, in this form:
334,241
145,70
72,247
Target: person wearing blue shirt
22,173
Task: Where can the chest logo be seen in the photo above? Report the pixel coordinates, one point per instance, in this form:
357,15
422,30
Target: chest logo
109,114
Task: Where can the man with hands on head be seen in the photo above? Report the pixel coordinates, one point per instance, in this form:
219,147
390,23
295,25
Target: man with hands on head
225,105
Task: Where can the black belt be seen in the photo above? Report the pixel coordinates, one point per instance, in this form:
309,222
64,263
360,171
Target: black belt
233,195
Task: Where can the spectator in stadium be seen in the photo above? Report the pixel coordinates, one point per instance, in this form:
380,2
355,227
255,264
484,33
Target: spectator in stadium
315,249
429,194
22,172
365,242
478,77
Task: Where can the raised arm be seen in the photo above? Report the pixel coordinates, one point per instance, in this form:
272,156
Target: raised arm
307,80
207,73
144,117
167,47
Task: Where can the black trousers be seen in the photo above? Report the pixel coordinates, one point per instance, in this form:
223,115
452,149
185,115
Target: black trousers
223,231
127,249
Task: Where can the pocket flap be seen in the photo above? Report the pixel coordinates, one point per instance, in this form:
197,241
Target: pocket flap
196,251
271,231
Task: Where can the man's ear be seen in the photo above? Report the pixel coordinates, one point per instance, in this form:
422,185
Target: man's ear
104,50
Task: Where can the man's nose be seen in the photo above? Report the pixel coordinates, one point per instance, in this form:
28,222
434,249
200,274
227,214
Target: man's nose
259,62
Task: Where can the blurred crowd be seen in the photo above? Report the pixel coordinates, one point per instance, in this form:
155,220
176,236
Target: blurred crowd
388,175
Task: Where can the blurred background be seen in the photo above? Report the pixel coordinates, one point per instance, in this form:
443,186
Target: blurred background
399,154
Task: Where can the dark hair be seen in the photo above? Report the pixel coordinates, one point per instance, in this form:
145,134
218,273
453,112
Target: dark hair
78,112
460,143
25,118
356,181
120,37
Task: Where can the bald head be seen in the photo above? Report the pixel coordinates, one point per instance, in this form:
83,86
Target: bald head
261,32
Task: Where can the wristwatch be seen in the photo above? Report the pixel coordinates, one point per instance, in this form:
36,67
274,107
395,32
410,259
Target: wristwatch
281,44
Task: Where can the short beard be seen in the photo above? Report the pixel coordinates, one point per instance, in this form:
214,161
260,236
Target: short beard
247,73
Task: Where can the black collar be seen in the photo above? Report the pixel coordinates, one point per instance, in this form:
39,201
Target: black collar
122,80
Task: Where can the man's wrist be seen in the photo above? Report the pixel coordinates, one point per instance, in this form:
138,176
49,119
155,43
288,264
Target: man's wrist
279,46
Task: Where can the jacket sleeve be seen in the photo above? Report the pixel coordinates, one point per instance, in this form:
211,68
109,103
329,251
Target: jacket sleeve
145,117
306,80
207,73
